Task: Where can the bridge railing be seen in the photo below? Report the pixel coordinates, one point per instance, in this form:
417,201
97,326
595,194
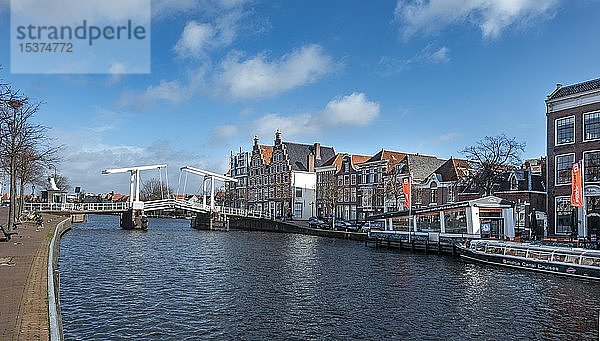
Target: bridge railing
154,205
74,207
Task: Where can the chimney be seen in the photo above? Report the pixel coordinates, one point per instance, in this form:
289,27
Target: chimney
311,162
317,151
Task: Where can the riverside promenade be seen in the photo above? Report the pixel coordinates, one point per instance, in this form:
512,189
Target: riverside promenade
24,280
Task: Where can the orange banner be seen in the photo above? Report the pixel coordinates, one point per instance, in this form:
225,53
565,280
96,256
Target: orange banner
406,190
576,186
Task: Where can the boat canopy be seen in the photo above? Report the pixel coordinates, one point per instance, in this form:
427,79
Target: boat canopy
538,252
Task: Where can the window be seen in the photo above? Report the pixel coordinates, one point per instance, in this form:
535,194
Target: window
429,223
456,221
565,130
418,196
592,166
340,180
298,210
353,194
353,179
298,192
563,168
434,197
346,167
591,127
563,215
451,194
346,180
514,184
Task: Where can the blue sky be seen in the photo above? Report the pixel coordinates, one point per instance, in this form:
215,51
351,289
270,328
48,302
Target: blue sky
425,77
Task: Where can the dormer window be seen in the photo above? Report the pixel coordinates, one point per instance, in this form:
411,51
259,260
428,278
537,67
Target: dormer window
514,184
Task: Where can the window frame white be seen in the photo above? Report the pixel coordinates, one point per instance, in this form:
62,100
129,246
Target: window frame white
584,125
556,130
556,169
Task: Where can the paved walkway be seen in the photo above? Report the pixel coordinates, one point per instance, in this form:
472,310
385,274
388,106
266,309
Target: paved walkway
23,281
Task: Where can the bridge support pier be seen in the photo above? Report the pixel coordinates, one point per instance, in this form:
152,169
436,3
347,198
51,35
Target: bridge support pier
134,219
207,221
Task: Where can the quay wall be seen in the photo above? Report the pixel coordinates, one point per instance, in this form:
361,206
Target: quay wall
254,224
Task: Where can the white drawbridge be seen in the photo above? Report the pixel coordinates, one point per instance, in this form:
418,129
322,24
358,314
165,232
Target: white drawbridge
166,203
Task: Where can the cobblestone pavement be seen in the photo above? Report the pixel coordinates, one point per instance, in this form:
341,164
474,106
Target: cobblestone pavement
23,281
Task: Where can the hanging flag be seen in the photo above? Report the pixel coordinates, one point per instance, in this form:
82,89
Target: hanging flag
406,190
576,185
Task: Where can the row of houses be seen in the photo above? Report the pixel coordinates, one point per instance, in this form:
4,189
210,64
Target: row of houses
294,180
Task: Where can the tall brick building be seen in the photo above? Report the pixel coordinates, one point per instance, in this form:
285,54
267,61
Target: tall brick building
282,178
573,126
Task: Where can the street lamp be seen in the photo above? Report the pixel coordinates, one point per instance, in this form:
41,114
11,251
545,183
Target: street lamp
312,204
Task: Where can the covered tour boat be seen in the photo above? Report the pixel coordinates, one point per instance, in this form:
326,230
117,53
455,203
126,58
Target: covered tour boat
558,260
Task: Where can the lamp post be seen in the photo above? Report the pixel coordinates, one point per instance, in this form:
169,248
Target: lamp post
312,204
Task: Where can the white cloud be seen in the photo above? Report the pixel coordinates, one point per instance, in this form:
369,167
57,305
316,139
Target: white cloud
259,77
87,155
167,91
167,8
225,131
354,110
492,17
68,12
428,55
194,39
440,56
199,38
221,135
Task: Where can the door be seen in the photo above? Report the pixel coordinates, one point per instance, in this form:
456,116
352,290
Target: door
492,228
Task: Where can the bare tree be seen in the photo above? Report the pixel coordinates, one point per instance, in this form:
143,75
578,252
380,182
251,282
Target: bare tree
17,132
23,144
154,189
331,194
492,156
31,167
393,186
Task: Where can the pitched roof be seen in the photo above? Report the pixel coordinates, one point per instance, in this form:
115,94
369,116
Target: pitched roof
337,160
298,154
453,169
564,91
421,166
391,156
266,152
356,159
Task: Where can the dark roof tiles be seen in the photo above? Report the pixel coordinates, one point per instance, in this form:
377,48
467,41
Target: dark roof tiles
565,91
298,154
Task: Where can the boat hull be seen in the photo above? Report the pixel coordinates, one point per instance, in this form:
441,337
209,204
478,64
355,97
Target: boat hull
572,270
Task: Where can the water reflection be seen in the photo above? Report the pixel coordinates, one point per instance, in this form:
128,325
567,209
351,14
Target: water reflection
173,282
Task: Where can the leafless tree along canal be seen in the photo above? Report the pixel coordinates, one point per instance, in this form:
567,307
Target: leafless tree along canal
173,282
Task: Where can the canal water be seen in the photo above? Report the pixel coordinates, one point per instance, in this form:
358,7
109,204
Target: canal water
173,282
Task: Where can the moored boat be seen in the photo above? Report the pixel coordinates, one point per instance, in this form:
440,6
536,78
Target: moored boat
574,262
